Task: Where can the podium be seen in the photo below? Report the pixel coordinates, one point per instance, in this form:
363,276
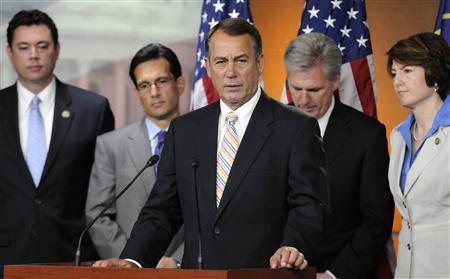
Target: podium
72,272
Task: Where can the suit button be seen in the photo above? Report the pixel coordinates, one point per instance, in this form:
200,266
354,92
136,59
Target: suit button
34,232
409,226
408,246
37,201
216,230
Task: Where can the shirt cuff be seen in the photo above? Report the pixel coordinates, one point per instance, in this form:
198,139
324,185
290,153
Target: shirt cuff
134,262
331,274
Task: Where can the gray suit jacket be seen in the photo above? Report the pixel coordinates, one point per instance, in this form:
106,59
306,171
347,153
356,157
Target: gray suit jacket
119,155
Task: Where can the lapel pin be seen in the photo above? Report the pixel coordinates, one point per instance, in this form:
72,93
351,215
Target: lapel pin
65,114
437,141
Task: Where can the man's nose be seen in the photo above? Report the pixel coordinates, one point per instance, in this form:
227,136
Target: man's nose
231,70
34,53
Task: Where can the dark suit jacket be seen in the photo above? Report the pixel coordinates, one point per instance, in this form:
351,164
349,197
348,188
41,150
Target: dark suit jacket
361,215
43,224
273,197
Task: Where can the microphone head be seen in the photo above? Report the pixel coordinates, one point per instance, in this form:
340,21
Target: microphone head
153,160
194,163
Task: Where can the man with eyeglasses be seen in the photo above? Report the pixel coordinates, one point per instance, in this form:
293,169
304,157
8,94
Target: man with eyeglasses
119,155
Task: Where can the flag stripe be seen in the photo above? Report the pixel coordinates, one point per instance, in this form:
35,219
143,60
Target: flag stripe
210,90
363,82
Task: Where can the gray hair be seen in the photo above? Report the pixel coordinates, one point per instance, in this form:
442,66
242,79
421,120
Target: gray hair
308,50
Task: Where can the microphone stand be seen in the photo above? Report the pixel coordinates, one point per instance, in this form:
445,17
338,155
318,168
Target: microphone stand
200,258
153,160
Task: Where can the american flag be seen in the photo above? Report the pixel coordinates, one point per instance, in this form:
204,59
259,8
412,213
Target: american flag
442,26
213,11
345,22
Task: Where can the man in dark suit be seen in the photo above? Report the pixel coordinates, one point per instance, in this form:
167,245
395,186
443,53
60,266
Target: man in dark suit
361,215
47,141
265,211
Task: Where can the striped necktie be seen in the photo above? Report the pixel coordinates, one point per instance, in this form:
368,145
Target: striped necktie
226,155
36,146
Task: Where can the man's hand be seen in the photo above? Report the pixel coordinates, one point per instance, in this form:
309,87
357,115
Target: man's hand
114,262
288,257
166,262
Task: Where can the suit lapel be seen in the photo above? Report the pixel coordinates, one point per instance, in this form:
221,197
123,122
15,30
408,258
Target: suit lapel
428,152
62,119
396,161
9,117
138,147
257,133
206,150
337,132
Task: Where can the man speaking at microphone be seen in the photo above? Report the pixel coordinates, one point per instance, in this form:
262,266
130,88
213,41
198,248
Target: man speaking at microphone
255,169
119,155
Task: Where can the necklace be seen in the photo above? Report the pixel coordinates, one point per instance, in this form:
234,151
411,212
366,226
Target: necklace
414,132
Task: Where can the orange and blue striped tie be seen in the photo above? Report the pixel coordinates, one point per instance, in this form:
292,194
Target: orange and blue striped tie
226,155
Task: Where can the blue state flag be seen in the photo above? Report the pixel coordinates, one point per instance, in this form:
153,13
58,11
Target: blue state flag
442,26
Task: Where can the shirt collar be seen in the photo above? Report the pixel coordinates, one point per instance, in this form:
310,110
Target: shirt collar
152,129
243,112
47,95
441,119
323,121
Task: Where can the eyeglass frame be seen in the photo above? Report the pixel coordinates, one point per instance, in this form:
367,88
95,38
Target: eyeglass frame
159,83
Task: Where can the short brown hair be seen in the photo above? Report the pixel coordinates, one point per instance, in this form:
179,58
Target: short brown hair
428,51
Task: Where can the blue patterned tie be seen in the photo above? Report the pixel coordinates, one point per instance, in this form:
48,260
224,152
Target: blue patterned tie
36,146
159,147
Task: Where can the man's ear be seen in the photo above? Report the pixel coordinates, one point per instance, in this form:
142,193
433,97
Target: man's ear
181,85
9,52
207,66
336,83
57,47
260,62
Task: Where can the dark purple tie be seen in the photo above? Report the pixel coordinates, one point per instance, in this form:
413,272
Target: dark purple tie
159,147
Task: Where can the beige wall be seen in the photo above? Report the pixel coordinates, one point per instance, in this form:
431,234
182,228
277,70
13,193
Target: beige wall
389,21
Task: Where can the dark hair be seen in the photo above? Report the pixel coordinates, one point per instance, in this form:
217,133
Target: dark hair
153,52
237,27
428,51
28,18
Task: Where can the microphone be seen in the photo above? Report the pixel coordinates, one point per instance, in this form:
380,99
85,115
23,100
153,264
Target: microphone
199,258
153,160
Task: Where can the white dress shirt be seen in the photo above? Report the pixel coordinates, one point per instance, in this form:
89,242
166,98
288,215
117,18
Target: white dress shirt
46,107
323,121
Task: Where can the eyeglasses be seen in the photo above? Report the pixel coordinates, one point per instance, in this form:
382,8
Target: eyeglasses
160,83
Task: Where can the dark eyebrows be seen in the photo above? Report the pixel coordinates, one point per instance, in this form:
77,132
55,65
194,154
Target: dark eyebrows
313,89
244,55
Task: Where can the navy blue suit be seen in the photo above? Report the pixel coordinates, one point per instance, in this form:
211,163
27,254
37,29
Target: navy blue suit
274,196
39,225
362,208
